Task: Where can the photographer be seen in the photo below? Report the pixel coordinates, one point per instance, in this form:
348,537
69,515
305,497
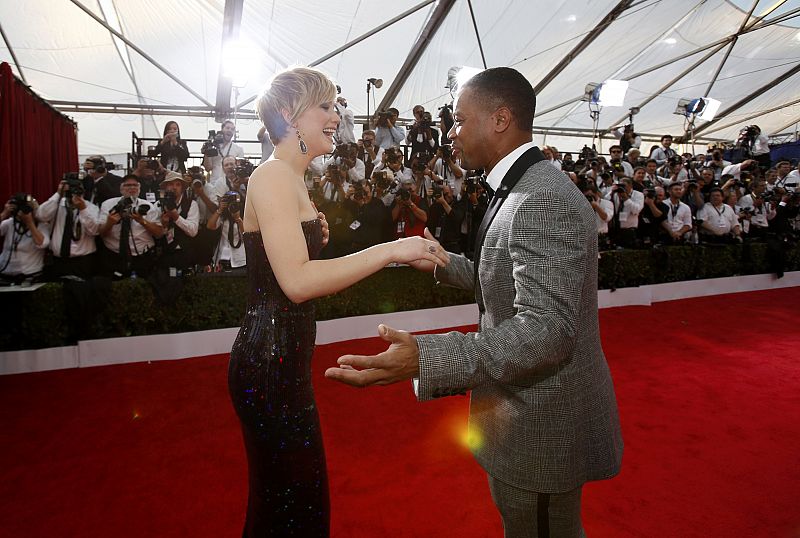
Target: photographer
785,180
422,137
230,251
752,144
346,155
445,218
99,184
368,152
206,194
652,217
407,217
24,242
720,222
618,164
603,209
424,179
443,165
334,184
345,132
755,211
73,224
551,154
387,133
172,149
219,145
715,163
372,220
628,203
651,176
180,218
735,170
128,228
674,170
665,152
475,202
446,122
628,139
150,172
679,216
393,163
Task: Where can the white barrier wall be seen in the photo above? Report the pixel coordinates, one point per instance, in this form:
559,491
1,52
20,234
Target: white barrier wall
202,343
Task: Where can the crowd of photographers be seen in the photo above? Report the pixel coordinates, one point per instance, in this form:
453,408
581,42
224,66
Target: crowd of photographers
392,182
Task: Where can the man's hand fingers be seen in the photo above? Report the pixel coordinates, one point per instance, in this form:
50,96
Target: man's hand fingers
361,361
391,335
356,378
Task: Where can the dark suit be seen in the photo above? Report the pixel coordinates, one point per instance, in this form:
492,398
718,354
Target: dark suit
101,190
543,414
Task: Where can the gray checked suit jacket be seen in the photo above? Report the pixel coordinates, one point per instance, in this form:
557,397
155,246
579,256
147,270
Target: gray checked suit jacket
543,414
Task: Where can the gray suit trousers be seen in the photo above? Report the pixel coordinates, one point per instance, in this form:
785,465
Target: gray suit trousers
528,514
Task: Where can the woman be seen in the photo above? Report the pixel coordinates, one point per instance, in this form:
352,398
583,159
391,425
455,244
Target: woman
172,149
24,240
269,373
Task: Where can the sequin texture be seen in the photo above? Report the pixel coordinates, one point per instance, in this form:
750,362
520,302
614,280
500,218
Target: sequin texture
269,379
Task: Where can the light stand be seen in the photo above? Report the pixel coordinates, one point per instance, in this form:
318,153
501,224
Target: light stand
372,82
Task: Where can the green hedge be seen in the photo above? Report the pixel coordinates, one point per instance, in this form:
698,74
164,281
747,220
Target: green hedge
39,319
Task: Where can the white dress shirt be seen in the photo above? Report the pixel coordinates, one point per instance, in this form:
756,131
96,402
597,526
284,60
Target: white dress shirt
629,212
496,175
140,239
231,149
188,225
608,207
26,258
56,206
346,130
678,216
718,221
760,215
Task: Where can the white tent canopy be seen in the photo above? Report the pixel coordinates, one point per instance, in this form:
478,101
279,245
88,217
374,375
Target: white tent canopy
744,53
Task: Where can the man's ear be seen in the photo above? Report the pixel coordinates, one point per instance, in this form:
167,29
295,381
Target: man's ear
501,119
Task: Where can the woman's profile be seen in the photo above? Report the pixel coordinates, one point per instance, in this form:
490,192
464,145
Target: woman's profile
269,375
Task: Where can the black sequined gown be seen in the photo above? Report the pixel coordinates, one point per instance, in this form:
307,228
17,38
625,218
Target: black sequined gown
269,378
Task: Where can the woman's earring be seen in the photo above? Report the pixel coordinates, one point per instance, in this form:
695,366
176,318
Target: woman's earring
303,147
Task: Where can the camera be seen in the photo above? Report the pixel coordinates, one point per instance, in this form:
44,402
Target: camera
427,121
383,118
384,180
360,192
447,152
153,164
168,201
404,194
650,193
437,191
74,185
335,173
22,204
616,164
419,166
234,201
198,177
244,168
125,208
211,147
590,198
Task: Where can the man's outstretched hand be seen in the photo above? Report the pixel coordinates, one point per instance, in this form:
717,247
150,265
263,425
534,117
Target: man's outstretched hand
398,363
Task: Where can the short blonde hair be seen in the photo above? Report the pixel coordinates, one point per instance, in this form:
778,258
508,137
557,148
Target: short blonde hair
293,90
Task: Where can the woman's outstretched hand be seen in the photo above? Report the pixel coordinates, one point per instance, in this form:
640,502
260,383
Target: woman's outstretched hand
421,253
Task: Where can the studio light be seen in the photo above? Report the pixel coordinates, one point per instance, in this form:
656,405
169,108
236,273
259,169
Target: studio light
377,82
458,76
372,84
608,93
704,108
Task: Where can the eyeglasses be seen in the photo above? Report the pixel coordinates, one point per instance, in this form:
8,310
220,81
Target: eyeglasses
130,185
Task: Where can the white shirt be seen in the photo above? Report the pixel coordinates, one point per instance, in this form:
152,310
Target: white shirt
629,212
346,130
718,221
455,183
760,215
28,257
734,169
140,239
761,145
231,149
188,225
225,250
495,177
678,216
637,140
56,206
608,207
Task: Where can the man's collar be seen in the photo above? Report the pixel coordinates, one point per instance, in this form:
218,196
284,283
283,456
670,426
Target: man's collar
495,177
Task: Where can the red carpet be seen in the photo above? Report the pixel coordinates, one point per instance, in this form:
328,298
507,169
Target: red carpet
709,394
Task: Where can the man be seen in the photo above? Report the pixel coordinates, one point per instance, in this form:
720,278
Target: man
603,209
99,184
665,152
679,216
74,226
651,176
785,179
618,163
129,226
345,132
368,152
543,403
226,148
735,170
372,220
387,133
180,218
652,216
445,218
755,212
720,222
628,203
